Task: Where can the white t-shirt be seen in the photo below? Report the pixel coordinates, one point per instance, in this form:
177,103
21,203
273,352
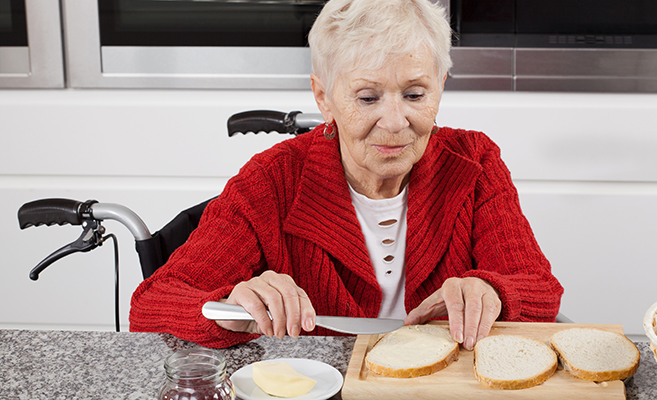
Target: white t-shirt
384,226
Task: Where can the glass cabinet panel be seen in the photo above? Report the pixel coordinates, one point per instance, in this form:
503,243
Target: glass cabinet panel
13,27
206,23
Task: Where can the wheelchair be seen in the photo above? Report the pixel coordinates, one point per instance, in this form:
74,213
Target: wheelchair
155,248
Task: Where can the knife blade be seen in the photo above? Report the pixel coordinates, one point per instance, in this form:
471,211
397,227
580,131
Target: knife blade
215,310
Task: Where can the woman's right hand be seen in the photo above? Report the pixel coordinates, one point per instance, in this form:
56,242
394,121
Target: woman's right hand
288,304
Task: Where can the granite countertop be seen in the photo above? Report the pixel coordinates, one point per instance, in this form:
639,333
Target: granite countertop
53,365
56,365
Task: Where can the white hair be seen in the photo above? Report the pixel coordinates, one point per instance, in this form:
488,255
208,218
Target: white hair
350,34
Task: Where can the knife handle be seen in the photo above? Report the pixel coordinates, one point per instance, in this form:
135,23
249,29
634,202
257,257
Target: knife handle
225,312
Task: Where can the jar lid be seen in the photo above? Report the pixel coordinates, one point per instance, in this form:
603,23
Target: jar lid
195,363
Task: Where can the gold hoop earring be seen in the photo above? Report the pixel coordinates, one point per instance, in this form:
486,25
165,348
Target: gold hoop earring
329,133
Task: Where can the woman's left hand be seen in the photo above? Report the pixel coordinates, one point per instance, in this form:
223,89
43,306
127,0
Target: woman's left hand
471,304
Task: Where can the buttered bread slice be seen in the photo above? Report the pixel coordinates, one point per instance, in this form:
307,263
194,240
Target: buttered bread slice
513,362
596,355
411,351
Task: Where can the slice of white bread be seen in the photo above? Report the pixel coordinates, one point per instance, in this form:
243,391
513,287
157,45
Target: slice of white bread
596,355
513,362
411,351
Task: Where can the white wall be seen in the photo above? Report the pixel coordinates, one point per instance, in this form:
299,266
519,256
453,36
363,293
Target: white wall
586,171
583,164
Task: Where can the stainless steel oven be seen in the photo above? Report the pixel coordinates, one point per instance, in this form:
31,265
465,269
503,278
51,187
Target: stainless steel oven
556,45
528,45
250,44
30,44
227,44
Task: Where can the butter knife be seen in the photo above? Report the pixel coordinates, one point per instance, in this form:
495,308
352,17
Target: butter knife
215,310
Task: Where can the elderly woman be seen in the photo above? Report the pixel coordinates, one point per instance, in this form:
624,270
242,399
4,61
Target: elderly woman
377,213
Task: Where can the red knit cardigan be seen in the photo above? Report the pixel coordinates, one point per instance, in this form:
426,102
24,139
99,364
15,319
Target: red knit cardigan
289,210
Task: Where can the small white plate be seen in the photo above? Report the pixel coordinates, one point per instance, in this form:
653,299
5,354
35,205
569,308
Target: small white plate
329,380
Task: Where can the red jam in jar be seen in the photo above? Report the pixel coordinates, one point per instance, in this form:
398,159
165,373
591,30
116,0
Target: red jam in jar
196,374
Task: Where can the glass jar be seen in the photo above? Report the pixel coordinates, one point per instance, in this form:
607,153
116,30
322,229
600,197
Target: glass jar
196,374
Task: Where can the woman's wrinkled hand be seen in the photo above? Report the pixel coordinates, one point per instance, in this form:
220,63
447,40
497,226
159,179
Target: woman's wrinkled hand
471,304
287,303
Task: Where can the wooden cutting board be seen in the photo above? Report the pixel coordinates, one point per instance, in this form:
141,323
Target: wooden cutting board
457,381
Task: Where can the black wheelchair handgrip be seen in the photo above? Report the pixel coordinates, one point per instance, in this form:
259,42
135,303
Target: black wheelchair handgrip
260,121
50,212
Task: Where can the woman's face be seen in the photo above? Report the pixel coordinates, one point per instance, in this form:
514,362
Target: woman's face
384,118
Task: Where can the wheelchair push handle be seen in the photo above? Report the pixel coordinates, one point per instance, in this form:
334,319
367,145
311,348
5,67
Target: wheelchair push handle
66,211
293,122
53,211
89,214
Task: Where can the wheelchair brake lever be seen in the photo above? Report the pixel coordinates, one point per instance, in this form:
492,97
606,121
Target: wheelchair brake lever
90,238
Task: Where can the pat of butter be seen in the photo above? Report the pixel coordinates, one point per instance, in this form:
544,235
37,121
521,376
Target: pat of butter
280,379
